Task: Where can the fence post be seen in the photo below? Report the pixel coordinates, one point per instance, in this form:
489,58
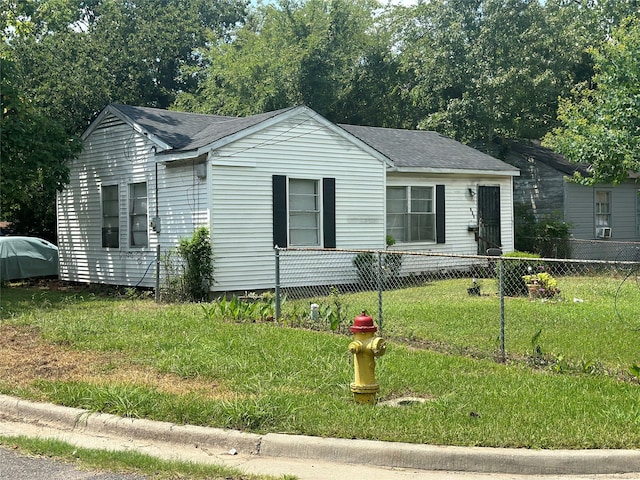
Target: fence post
380,291
497,252
501,280
277,250
157,273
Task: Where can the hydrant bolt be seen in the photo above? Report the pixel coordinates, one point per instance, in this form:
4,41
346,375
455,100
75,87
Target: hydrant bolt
378,346
355,347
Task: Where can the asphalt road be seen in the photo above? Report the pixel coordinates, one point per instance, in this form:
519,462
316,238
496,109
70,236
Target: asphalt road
16,466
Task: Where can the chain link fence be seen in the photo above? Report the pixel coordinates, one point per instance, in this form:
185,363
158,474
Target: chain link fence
571,248
336,285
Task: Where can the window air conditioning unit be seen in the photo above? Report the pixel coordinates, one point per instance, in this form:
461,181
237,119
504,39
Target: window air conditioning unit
603,232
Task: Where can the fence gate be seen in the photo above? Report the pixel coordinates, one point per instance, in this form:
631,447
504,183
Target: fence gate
488,218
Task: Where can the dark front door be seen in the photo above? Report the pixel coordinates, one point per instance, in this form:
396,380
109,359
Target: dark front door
488,218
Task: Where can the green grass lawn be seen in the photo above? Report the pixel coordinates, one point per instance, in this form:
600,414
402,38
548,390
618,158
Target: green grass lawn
568,389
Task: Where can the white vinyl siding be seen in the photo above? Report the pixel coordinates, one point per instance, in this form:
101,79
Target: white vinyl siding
113,155
461,210
241,197
182,200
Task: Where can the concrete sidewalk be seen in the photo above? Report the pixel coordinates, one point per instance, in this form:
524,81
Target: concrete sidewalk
309,458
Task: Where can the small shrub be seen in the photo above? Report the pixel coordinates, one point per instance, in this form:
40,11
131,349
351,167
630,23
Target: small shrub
338,314
189,277
198,256
369,271
514,272
173,286
525,227
367,265
548,236
552,237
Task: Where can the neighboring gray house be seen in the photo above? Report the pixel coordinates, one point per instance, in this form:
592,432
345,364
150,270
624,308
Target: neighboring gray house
149,177
601,212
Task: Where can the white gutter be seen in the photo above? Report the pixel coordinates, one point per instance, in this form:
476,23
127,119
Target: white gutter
445,171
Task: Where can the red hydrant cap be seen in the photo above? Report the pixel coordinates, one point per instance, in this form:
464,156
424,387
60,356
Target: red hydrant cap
363,323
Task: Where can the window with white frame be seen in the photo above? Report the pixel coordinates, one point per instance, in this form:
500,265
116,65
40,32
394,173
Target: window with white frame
138,231
411,215
304,213
110,216
603,208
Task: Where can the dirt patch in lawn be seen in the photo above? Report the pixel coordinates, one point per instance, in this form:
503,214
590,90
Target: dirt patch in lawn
25,357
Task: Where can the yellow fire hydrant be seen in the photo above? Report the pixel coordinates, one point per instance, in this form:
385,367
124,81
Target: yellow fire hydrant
365,348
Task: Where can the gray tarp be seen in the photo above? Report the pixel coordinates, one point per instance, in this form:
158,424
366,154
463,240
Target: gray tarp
26,257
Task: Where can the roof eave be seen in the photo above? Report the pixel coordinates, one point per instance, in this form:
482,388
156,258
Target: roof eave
456,171
174,156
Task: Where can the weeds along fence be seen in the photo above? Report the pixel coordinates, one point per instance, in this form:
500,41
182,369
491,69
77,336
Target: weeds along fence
397,287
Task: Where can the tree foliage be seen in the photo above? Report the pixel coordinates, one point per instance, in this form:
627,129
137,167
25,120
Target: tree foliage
486,68
69,59
34,150
601,122
330,56
78,55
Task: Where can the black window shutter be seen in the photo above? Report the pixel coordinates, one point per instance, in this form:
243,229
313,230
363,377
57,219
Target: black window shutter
440,234
279,188
329,212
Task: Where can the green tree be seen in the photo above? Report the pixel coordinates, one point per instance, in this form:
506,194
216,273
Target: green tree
34,151
68,59
75,56
596,18
486,68
600,123
330,56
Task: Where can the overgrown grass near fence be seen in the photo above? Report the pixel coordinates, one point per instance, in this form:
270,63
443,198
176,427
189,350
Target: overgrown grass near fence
593,324
259,375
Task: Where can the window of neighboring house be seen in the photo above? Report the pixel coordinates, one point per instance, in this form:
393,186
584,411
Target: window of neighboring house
110,217
603,208
411,215
138,215
304,213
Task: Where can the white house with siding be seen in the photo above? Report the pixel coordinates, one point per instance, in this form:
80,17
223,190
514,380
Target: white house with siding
149,177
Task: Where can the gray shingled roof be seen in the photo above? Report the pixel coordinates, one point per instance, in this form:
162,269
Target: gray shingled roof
189,131
551,158
412,149
425,149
